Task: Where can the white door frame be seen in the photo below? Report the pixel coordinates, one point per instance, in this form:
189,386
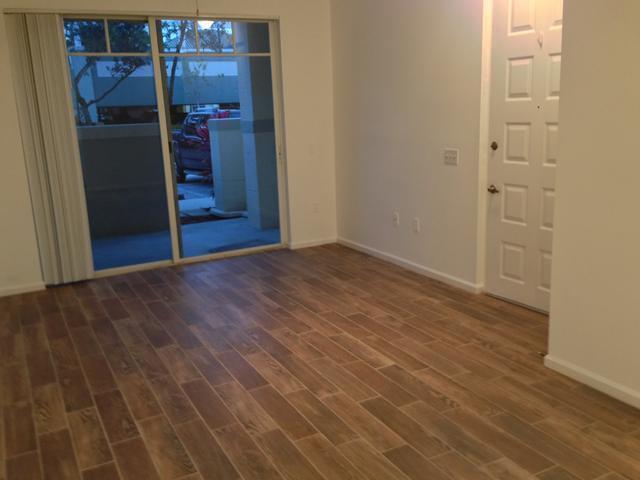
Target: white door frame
483,160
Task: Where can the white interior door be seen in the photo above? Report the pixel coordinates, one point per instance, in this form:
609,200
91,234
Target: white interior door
525,90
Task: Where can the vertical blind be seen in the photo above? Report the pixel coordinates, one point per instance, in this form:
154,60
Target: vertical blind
50,146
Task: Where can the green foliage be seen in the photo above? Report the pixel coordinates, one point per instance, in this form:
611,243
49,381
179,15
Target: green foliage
177,35
217,38
89,36
85,35
129,36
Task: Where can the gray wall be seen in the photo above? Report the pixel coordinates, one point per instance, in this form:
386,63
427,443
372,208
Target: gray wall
259,145
135,91
124,179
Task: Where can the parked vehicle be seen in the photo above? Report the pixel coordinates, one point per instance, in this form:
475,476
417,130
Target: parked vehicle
191,149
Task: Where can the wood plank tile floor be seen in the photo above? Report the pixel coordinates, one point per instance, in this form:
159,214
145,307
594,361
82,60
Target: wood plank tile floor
316,364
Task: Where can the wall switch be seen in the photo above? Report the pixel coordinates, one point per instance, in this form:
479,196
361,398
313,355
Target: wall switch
416,225
396,219
451,156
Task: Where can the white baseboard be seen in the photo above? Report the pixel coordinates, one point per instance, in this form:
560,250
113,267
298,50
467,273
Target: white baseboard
414,267
600,383
19,289
312,243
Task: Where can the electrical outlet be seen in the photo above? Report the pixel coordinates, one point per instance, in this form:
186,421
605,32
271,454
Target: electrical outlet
416,225
396,219
451,156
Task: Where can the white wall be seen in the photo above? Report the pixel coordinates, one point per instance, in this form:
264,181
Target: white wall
407,77
595,305
308,91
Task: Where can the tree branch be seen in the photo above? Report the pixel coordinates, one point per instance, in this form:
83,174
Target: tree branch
90,62
112,88
174,65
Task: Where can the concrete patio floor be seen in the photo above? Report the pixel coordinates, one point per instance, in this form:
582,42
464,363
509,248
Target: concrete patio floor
198,239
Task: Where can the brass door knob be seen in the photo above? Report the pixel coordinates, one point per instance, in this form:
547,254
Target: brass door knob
493,189
494,146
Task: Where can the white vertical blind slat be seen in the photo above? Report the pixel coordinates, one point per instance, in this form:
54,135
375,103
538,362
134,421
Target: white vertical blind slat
50,147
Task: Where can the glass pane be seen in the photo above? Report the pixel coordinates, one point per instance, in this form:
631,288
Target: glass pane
215,36
121,154
85,35
131,36
177,36
251,37
224,152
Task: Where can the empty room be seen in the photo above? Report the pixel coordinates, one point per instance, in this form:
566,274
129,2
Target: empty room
319,240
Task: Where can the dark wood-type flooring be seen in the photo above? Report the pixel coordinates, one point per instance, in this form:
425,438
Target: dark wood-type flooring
316,364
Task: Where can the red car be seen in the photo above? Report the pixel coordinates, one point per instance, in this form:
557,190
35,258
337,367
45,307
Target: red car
191,148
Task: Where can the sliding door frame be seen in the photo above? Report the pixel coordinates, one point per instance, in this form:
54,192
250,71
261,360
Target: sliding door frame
167,156
281,152
165,135
163,111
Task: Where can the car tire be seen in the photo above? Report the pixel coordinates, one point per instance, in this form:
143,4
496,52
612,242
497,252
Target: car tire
181,176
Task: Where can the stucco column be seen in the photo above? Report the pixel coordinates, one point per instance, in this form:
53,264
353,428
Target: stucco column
258,134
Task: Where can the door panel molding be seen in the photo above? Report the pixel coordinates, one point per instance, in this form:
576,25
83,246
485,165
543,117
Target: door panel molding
525,91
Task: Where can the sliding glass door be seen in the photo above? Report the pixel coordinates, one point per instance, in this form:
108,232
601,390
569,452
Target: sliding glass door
219,93
215,188
118,129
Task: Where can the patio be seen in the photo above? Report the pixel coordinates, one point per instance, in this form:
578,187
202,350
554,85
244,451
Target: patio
203,233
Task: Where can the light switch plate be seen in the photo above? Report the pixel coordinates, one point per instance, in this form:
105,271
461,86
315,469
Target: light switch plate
451,156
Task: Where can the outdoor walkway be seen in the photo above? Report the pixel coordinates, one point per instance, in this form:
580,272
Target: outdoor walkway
198,239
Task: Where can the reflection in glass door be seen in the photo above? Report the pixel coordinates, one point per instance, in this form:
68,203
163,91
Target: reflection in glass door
114,98
219,97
